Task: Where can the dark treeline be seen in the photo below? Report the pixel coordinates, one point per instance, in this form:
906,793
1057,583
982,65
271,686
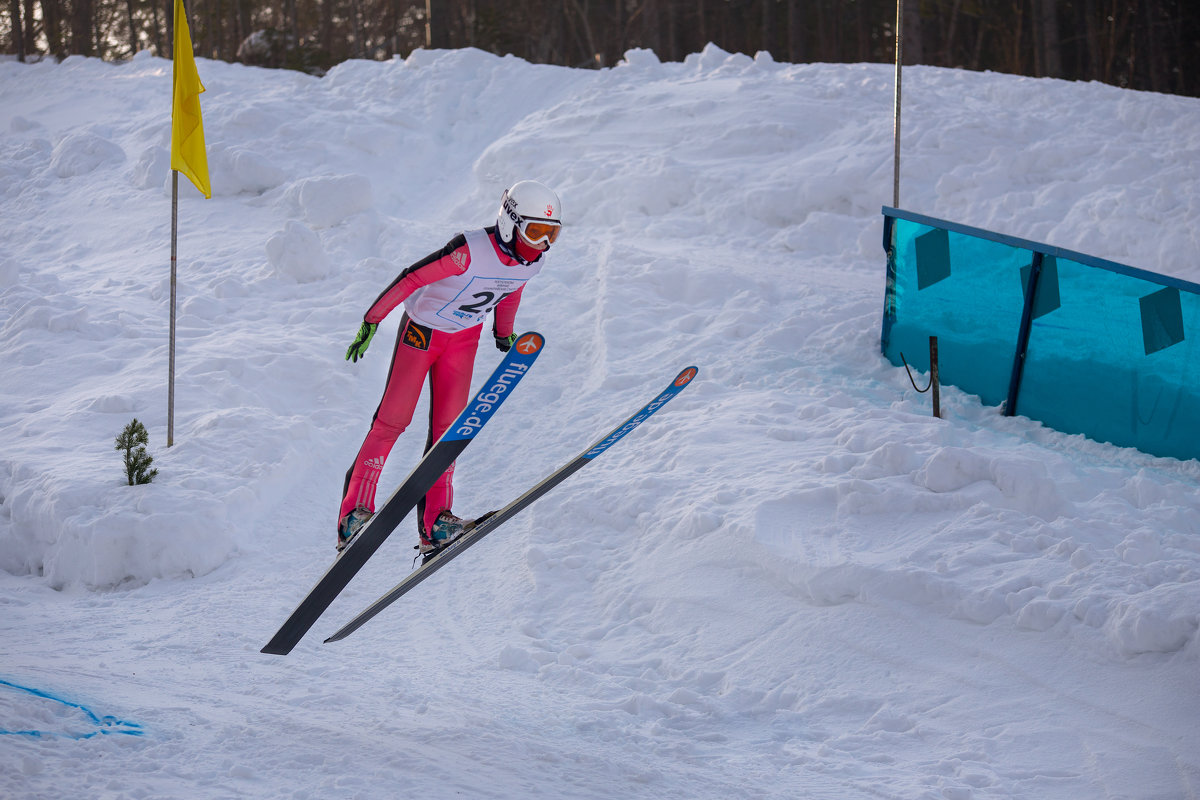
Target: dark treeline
1141,44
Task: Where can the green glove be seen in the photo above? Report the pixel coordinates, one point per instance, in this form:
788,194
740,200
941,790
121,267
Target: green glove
505,343
359,348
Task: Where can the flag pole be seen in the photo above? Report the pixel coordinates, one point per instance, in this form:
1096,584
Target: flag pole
896,115
187,156
171,358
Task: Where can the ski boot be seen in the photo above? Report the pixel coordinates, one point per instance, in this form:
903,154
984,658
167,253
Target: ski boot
446,528
350,525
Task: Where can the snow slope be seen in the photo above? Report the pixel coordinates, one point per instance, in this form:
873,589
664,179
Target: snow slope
792,582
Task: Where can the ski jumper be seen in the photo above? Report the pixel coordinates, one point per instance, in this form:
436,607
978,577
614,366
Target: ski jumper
446,296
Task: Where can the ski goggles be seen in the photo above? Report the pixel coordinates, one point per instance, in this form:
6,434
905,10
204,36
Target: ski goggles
537,231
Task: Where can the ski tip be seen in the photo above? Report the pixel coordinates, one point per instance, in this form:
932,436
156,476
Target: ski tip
529,343
685,376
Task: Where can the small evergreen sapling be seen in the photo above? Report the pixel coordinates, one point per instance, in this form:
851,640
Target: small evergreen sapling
133,441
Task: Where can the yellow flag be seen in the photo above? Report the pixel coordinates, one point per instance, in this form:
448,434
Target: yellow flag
187,129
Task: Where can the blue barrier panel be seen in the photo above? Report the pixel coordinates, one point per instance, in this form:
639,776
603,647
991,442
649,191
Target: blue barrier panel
1114,362
936,286
1093,347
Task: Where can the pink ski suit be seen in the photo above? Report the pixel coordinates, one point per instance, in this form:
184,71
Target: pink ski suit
446,296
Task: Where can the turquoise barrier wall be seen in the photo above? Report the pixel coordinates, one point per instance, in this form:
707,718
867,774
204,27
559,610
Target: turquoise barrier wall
1082,344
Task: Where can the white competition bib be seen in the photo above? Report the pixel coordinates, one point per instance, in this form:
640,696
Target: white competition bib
462,301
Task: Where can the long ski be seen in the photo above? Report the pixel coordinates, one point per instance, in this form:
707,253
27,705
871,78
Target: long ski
489,522
437,460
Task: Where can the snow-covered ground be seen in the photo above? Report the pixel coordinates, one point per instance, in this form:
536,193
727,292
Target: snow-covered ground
792,582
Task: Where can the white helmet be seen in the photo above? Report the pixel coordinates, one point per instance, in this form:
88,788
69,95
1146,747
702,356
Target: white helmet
531,210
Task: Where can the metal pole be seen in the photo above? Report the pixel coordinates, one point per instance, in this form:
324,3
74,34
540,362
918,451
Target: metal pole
896,114
934,379
1018,369
171,358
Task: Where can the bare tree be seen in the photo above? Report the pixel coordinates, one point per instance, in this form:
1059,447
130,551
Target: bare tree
18,35
1145,44
1047,49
